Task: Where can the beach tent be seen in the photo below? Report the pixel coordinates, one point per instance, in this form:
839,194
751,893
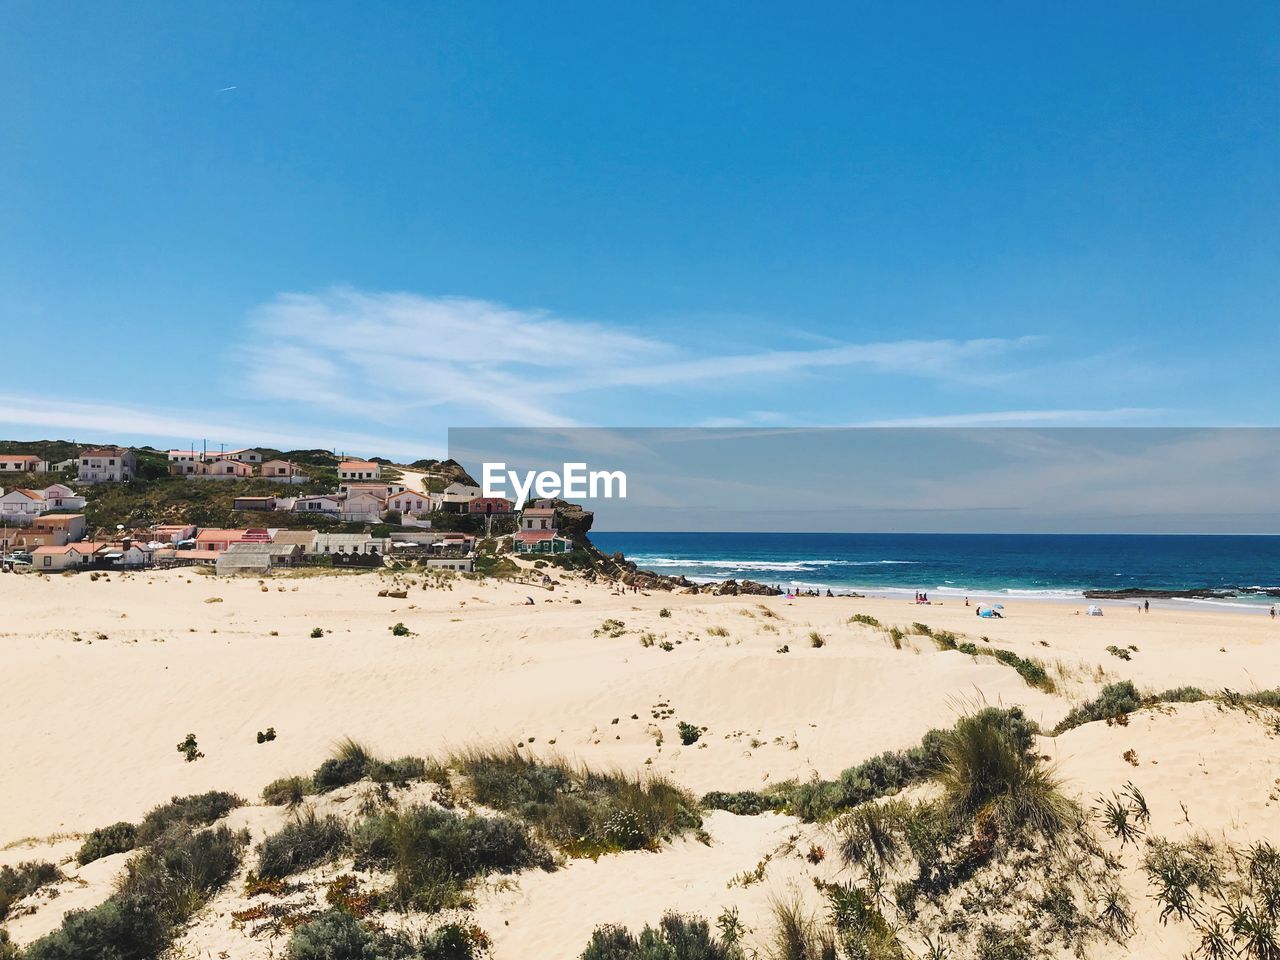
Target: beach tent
1094,610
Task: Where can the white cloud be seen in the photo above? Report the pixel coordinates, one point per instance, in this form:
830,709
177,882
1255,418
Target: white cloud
398,352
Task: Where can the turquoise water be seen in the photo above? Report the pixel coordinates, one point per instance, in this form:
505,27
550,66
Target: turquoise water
1031,565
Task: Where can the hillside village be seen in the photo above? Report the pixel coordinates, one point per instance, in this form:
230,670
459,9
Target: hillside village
65,507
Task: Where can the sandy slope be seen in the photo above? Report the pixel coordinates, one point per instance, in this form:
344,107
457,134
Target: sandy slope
90,724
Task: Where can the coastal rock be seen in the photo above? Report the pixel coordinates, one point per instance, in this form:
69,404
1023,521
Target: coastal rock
1140,593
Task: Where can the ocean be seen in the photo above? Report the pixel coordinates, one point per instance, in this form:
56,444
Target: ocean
1048,566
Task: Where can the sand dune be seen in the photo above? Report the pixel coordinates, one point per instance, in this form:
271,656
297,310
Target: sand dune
105,677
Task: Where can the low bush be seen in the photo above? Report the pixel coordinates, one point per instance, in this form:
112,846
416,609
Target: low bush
337,935
400,771
747,802
349,763
865,619
105,841
24,879
677,937
307,842
1114,699
880,776
196,810
434,852
689,733
160,890
287,791
1182,695
582,812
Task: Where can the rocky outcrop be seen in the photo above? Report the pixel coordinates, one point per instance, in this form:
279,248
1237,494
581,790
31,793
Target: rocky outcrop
1201,593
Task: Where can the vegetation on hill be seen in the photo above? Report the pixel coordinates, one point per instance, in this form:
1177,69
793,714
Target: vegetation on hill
206,503
54,451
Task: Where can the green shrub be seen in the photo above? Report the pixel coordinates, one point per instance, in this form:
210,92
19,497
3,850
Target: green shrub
746,802
988,770
189,749
996,944
287,791
434,852
197,810
664,613
317,633
24,879
1032,671
865,619
337,935
307,842
677,937
1182,695
349,763
400,771
582,812
1114,699
689,734
891,771
105,841
400,630
160,890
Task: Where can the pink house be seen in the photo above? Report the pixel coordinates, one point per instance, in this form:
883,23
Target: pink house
410,503
212,540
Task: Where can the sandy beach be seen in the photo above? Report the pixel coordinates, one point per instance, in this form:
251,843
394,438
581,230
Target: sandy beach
105,676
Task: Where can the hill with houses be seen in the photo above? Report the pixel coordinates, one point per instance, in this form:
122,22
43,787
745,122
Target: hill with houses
67,506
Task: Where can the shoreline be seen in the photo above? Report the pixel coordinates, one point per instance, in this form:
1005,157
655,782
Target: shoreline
1225,604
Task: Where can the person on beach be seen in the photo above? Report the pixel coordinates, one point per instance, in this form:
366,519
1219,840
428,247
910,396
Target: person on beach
1146,606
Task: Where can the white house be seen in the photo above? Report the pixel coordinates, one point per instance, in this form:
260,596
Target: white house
320,503
21,507
348,543
107,465
184,461
22,463
359,470
362,507
412,503
458,494
61,497
244,455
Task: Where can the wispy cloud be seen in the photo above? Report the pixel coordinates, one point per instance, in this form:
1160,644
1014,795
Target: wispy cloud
403,351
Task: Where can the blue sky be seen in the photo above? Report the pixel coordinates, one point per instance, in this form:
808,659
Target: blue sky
357,225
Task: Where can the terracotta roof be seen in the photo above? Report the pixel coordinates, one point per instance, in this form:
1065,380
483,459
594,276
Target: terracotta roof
104,452
214,533
356,464
46,551
29,494
534,536
59,519
18,457
539,512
